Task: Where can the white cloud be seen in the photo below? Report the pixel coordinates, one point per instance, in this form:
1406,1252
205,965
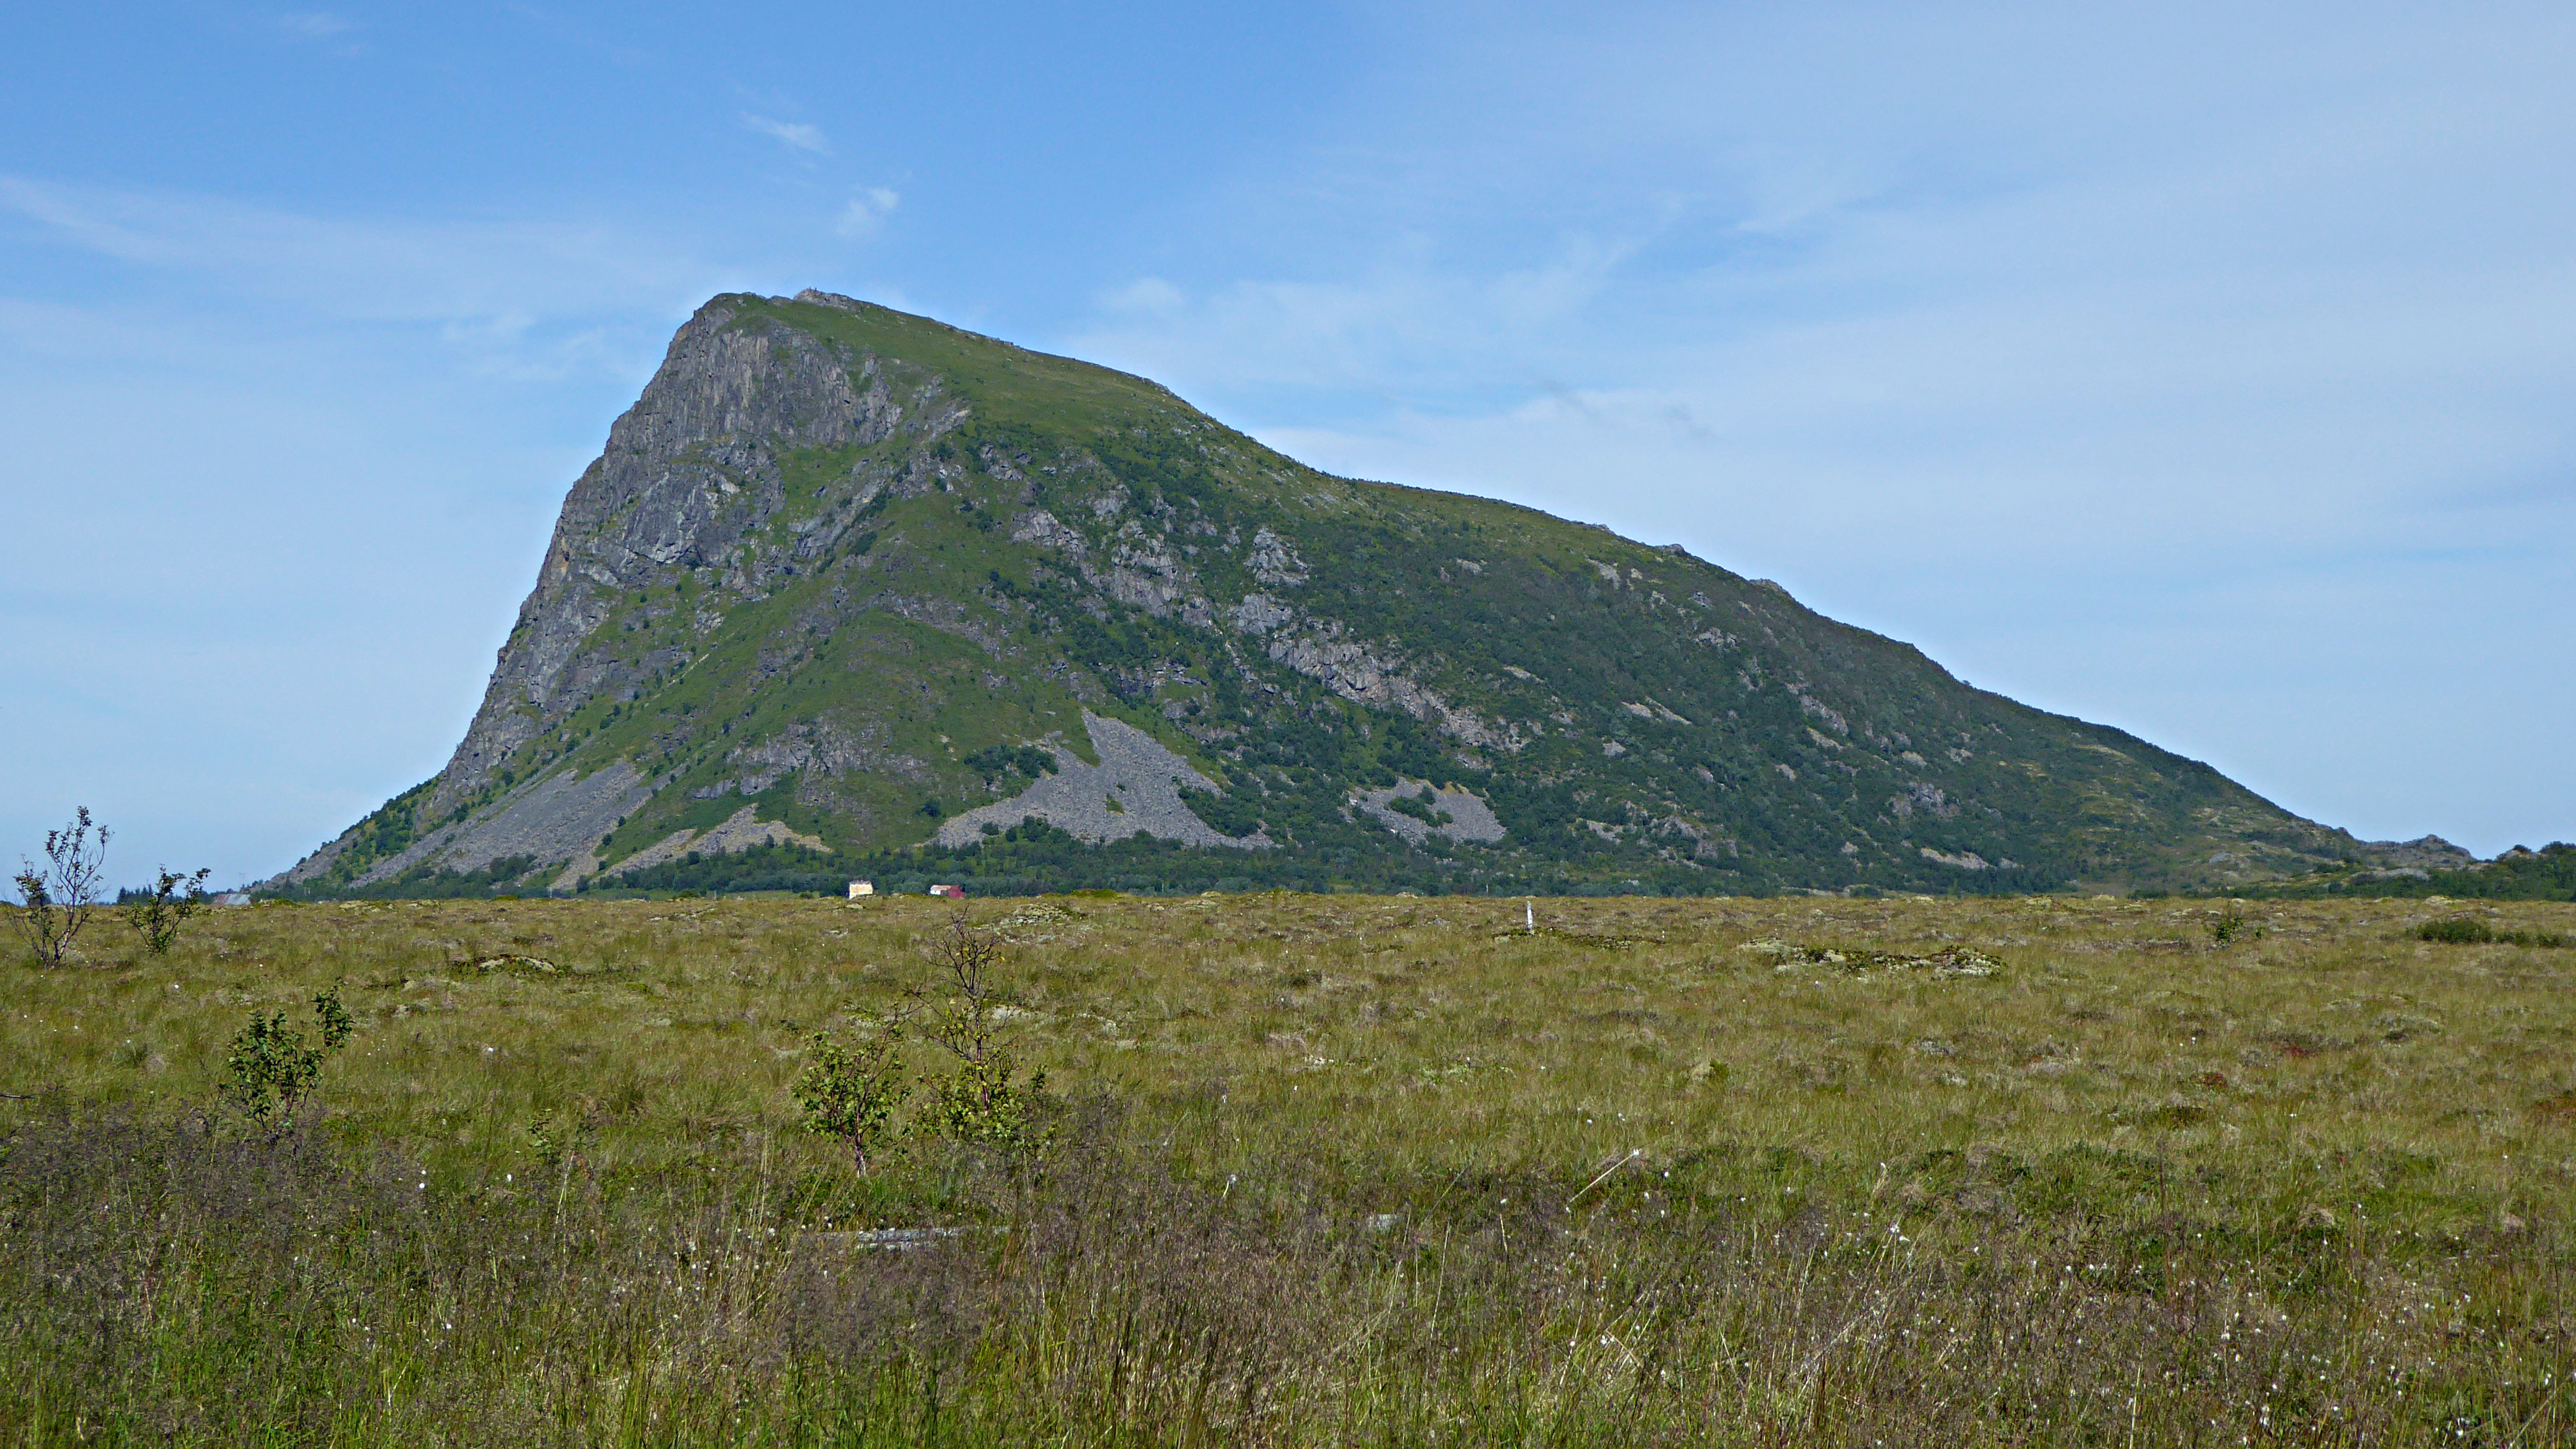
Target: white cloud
2142,375
499,290
1399,326
297,475
793,133
866,214
1151,296
314,24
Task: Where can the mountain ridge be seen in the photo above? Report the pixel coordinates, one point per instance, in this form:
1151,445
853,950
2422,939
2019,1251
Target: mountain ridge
868,576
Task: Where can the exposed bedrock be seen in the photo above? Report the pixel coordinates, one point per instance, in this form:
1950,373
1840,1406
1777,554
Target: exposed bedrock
1134,790
1454,811
557,818
743,830
688,472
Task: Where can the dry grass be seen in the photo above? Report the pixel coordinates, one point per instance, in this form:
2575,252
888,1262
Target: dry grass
1333,1170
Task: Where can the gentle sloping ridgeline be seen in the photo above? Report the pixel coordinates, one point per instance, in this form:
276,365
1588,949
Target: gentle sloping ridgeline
1329,1169
2547,874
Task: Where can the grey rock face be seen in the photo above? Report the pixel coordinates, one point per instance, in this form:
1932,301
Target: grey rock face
1135,772
1140,567
1470,818
688,472
1364,675
1274,563
2426,853
1043,529
553,819
821,749
740,831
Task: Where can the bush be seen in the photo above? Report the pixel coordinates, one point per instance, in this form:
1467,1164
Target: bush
2233,927
156,914
851,1095
2457,930
2470,931
1423,806
55,899
271,1069
983,1101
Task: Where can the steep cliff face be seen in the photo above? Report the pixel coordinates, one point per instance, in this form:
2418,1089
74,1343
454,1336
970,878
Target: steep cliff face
691,471
885,584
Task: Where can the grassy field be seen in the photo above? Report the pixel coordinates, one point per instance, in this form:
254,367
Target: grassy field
1325,1170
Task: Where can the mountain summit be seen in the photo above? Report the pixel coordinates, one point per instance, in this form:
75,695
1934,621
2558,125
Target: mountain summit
850,591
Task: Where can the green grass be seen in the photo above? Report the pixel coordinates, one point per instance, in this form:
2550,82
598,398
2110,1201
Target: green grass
1328,1170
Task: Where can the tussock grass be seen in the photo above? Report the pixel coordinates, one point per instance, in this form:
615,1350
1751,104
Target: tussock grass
1328,1170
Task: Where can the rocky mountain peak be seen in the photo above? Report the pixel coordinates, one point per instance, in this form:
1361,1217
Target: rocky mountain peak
894,588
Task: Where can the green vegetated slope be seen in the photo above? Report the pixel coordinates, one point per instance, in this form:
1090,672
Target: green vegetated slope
2520,874
845,567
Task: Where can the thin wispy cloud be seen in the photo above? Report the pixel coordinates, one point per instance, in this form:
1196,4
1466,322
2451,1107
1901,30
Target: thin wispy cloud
2093,280
1404,324
795,134
1147,297
2013,333
314,24
866,213
391,270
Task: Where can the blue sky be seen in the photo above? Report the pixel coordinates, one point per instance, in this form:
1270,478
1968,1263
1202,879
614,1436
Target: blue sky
2205,370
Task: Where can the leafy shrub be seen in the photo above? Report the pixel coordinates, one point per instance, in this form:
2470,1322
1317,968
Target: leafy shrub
2457,930
271,1070
157,913
999,761
983,1101
1422,807
1237,813
2233,927
851,1094
2470,931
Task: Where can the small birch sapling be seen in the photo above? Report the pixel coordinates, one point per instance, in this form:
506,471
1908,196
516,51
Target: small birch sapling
851,1094
982,1101
271,1070
55,898
173,899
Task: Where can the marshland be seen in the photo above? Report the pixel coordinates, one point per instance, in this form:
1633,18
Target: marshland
1304,1170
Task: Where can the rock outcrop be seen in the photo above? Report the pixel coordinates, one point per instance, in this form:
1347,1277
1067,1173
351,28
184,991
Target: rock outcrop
1134,790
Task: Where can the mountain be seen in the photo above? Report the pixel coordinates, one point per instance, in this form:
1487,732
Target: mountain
850,592
2519,874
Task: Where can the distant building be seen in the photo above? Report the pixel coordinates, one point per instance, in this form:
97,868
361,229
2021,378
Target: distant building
953,892
229,898
860,888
